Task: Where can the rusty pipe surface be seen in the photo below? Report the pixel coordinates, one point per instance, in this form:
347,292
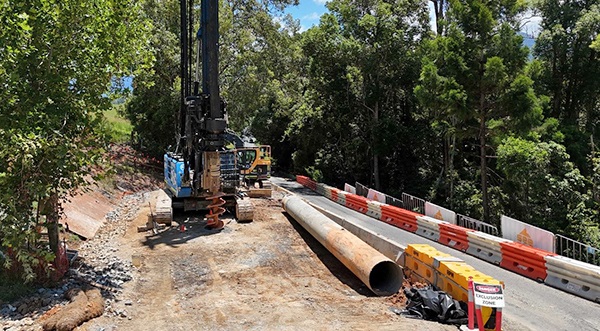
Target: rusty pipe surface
380,274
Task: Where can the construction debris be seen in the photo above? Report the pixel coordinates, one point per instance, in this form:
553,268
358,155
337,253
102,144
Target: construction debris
162,213
431,305
85,305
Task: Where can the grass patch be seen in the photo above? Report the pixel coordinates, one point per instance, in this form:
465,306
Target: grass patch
118,126
12,289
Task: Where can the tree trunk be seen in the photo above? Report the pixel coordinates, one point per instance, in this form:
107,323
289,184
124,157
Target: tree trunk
438,8
451,169
375,155
50,208
483,156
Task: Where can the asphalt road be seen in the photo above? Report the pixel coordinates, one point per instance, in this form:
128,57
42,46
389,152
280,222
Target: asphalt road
529,305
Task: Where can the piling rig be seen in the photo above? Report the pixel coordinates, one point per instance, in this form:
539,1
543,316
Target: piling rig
201,174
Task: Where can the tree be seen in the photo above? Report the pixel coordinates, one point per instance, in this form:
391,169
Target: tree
571,67
473,81
262,72
363,65
57,61
257,72
154,103
543,187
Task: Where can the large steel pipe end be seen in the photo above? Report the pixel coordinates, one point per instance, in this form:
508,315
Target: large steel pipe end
379,273
385,278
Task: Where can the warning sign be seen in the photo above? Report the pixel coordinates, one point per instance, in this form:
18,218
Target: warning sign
488,295
527,234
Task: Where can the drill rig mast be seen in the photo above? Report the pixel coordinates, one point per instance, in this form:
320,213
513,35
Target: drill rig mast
201,174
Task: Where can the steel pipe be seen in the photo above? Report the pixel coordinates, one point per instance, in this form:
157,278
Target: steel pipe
380,274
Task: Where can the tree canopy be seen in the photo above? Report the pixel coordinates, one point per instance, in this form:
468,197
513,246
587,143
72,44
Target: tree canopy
57,62
463,114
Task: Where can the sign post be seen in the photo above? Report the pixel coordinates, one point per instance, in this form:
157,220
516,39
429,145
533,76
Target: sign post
487,295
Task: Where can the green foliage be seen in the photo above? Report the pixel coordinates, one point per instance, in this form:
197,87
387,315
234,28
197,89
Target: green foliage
56,65
543,185
464,118
118,128
12,289
154,104
473,85
362,68
569,71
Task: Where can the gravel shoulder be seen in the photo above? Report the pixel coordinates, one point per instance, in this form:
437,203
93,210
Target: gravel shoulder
268,274
265,275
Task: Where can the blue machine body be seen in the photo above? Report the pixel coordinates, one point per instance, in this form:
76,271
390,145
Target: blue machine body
173,171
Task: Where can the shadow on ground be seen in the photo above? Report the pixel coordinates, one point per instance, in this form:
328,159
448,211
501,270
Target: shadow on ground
194,227
337,268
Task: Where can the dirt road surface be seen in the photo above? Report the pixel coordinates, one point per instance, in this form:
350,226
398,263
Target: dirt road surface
265,275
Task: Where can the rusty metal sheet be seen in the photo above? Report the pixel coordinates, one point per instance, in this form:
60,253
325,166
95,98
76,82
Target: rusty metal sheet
84,214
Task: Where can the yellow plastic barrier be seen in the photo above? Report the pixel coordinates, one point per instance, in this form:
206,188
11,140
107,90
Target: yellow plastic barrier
424,272
448,273
425,253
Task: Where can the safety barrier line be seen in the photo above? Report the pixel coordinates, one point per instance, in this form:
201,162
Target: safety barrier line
576,277
524,260
429,227
485,246
454,236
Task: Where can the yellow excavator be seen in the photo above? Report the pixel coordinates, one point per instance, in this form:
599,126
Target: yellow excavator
253,162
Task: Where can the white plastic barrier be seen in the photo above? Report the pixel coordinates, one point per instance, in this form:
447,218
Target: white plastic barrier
439,212
327,192
579,278
485,246
321,188
374,209
342,198
376,195
429,227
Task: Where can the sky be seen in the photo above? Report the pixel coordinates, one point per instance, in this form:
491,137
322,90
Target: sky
309,11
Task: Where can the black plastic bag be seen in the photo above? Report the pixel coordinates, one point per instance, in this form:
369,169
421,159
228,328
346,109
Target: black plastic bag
429,304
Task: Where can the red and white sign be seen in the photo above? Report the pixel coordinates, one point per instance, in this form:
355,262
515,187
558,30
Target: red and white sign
349,188
440,213
376,195
527,234
488,295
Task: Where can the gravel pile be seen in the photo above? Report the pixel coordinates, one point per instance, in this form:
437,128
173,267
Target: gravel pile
96,265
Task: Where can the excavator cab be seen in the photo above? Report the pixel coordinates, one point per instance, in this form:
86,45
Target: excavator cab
255,165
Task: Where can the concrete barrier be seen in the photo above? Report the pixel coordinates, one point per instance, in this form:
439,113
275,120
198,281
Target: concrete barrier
576,277
485,246
429,227
374,209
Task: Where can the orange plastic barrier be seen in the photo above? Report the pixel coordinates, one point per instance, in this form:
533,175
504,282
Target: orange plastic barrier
401,218
301,179
334,194
357,202
306,181
454,236
524,260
